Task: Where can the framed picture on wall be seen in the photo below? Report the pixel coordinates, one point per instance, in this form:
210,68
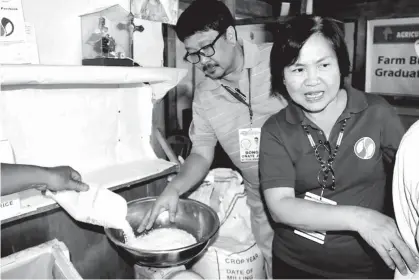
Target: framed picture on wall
165,11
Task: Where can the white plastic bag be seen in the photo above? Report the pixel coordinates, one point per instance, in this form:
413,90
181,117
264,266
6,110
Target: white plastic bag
98,206
145,272
234,254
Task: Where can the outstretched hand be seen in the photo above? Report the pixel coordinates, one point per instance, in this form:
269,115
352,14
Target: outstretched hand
63,178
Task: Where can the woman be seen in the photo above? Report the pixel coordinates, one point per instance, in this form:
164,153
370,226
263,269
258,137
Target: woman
322,162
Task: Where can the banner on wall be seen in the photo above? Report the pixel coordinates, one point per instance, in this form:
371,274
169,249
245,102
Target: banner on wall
392,65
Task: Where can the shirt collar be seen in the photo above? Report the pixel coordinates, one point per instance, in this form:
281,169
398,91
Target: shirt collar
357,102
251,59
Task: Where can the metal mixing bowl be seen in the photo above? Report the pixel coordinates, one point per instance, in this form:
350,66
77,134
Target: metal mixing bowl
192,216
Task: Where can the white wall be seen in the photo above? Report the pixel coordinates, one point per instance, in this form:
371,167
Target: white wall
58,30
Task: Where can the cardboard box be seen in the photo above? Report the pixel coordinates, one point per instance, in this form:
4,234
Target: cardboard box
50,260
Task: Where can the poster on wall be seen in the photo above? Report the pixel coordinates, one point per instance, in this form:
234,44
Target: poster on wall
392,65
21,52
12,22
165,11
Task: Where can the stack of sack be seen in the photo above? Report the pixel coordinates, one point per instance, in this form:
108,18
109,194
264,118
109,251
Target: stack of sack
234,254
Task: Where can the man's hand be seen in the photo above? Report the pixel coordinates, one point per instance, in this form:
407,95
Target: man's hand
63,178
192,171
168,200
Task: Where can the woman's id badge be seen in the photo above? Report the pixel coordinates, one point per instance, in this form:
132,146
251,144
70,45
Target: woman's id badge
249,144
316,236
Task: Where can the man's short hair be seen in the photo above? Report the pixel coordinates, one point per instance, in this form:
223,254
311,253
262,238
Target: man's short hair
203,15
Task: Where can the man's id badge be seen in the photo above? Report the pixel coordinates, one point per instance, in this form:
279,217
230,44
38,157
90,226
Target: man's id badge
249,144
316,236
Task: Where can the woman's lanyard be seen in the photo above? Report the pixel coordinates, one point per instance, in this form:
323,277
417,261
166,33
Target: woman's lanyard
241,97
326,165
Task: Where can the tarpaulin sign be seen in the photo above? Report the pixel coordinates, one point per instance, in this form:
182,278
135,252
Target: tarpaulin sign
392,64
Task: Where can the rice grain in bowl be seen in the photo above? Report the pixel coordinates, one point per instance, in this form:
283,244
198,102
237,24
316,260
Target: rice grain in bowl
192,216
163,239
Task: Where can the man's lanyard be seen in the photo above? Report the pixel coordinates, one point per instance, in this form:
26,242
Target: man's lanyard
238,95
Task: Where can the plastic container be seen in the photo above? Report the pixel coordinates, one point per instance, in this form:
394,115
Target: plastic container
106,37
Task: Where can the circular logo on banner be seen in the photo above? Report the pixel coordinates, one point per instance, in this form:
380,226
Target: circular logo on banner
364,148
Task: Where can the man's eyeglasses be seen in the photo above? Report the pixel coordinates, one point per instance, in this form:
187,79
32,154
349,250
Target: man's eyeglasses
326,175
206,51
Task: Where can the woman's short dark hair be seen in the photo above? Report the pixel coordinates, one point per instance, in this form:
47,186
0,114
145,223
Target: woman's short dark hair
203,15
290,39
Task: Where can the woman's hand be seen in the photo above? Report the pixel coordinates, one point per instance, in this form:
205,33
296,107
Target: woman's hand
381,233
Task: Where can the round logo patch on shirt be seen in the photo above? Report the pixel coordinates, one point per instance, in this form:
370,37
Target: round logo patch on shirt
364,148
